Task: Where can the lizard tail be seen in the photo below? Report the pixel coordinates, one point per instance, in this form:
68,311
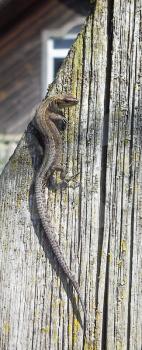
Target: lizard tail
49,231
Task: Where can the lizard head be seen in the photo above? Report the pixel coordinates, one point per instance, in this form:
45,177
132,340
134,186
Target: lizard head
63,101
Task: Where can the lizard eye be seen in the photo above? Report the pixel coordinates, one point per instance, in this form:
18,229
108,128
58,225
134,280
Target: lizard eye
67,100
70,100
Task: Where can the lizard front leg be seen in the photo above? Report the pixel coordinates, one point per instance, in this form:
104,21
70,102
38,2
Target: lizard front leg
55,117
52,183
57,166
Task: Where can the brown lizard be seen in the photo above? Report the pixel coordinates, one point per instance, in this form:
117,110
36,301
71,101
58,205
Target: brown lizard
46,116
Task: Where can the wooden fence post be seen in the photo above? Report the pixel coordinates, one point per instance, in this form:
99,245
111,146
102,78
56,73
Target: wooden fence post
98,220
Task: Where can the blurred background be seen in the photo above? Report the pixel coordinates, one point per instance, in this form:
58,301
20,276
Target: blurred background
35,36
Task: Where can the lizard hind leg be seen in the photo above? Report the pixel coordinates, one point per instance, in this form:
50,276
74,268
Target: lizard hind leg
53,183
63,184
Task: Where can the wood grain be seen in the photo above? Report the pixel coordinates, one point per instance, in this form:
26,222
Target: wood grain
97,220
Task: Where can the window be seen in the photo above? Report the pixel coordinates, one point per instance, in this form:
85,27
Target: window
55,49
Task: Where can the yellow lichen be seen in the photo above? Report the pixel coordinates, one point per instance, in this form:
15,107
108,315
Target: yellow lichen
70,328
120,263
119,345
55,331
19,200
6,328
110,256
45,329
123,246
76,328
89,346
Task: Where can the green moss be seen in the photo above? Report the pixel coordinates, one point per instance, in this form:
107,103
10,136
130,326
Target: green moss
77,63
13,164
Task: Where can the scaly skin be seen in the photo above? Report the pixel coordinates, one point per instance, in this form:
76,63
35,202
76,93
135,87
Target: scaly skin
47,114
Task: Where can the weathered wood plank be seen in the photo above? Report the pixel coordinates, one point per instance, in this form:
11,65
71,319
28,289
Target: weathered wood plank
98,220
122,232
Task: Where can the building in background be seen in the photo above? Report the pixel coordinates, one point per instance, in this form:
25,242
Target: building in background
35,38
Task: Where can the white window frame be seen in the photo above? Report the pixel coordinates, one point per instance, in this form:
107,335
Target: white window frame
48,38
54,53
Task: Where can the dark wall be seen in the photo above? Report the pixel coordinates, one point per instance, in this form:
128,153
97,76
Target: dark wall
20,59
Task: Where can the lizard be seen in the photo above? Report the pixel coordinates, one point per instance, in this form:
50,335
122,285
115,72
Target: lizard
45,121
